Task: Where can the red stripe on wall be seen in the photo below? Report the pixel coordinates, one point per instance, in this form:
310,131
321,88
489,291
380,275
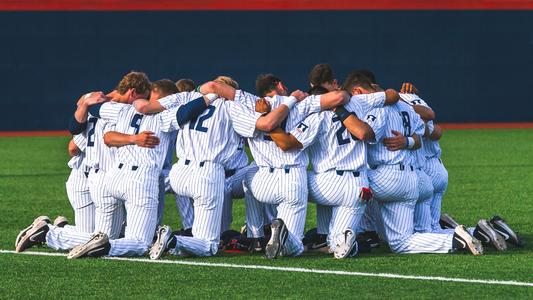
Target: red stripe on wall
131,5
34,133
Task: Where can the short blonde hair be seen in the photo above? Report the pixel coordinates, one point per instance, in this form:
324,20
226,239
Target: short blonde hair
134,80
227,80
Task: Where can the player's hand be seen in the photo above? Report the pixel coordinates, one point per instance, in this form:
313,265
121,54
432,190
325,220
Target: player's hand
299,95
408,88
376,87
146,139
262,106
73,149
94,98
395,143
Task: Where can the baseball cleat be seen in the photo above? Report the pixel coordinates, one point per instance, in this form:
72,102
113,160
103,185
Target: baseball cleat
315,242
371,238
23,231
488,236
161,242
464,240
35,235
447,222
60,221
277,240
97,246
501,227
348,247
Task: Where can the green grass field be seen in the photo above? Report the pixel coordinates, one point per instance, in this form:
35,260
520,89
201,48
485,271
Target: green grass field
491,171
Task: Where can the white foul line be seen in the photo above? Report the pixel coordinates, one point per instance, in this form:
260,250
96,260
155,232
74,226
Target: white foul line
290,269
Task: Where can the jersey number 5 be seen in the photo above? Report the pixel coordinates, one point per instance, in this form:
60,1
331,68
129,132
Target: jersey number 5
136,122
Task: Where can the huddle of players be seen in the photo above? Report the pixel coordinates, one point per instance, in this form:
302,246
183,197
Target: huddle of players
375,168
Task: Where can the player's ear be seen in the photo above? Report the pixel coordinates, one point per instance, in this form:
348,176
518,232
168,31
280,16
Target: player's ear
357,91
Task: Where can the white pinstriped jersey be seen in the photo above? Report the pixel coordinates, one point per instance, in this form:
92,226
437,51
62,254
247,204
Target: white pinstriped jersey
369,101
431,148
329,144
127,120
239,159
97,154
78,161
399,117
173,100
210,137
264,150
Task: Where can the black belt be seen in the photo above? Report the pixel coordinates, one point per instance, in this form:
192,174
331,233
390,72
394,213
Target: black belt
287,170
86,174
341,172
402,167
188,162
133,168
229,173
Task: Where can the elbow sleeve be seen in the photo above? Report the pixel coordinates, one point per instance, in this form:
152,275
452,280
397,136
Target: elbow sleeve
190,110
76,127
95,110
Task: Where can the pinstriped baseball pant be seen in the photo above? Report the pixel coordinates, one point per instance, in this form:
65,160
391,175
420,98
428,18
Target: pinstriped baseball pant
287,190
233,189
138,189
342,193
80,200
183,204
109,212
204,183
439,177
396,193
423,205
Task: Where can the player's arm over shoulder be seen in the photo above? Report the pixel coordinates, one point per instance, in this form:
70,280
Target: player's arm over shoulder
349,116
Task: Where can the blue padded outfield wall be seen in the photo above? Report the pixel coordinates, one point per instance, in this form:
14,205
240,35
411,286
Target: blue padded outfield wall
471,66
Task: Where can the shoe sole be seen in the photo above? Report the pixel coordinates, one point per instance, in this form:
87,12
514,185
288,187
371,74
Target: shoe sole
472,244
23,232
85,249
279,234
344,254
495,238
25,240
159,246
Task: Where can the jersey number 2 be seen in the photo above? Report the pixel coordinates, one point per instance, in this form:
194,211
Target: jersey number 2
340,132
90,134
198,124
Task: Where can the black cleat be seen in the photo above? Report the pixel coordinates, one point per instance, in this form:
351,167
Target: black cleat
315,242
488,236
23,231
97,246
277,240
370,237
501,227
33,235
447,222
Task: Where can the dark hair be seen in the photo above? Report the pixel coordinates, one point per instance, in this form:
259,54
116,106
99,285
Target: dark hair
165,86
317,90
321,73
185,85
265,83
369,74
134,80
356,79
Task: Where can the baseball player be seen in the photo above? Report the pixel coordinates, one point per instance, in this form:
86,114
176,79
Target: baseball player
339,176
135,176
394,183
281,179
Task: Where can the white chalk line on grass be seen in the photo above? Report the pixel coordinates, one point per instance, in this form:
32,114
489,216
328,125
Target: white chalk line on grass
291,269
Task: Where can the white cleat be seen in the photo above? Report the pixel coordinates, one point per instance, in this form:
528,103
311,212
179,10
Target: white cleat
348,247
463,237
23,231
164,233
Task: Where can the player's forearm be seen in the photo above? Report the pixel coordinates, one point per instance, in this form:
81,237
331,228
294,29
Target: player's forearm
148,107
191,110
391,97
80,115
73,149
418,143
333,99
223,90
436,134
117,139
358,128
284,140
273,119
425,113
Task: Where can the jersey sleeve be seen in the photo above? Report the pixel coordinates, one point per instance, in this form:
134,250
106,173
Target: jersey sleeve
414,99
309,105
168,119
110,111
307,131
431,126
369,101
377,119
109,127
243,119
246,99
81,141
418,124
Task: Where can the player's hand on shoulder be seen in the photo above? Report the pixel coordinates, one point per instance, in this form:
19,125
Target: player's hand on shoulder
299,95
94,98
146,139
262,106
396,142
408,88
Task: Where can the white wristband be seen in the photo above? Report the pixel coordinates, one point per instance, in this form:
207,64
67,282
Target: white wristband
211,97
410,142
290,102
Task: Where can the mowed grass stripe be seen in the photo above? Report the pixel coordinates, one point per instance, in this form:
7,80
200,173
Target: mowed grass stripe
300,270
